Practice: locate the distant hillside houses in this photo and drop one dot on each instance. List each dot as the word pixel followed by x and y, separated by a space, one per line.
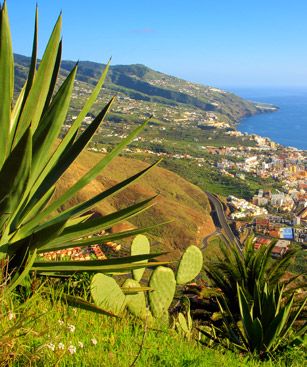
pixel 279 250
pixel 242 208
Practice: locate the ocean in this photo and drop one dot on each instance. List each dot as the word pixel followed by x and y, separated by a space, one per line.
pixel 287 126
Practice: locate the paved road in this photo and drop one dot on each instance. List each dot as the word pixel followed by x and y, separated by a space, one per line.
pixel 218 206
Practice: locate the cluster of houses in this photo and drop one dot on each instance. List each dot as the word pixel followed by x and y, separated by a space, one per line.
pixel 243 209
pixel 278 227
pixel 281 201
pixel 98 252
pixel 280 248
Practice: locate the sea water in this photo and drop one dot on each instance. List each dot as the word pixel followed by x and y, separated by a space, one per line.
pixel 287 126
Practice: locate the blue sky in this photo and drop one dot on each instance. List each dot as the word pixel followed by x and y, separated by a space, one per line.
pixel 219 42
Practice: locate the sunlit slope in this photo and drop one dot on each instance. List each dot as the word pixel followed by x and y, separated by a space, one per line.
pixel 178 200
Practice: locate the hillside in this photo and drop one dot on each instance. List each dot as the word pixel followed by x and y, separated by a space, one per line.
pixel 178 200
pixel 141 83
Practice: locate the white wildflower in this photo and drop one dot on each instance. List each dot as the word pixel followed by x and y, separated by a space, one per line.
pixel 61 346
pixel 61 322
pixel 72 349
pixel 71 328
pixel 51 346
pixel 94 341
pixel 11 315
pixel 80 344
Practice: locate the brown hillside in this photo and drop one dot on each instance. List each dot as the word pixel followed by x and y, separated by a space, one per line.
pixel 178 199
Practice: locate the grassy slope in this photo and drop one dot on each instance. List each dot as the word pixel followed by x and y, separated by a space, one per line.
pixel 42 323
pixel 178 200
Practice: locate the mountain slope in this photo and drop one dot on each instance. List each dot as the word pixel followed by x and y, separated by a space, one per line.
pixel 142 83
pixel 178 200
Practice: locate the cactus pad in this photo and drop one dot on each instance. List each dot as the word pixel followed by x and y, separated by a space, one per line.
pixel 190 265
pixel 136 303
pixel 163 282
pixel 140 246
pixel 107 294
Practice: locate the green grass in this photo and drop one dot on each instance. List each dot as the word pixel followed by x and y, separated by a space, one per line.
pixel 212 249
pixel 106 341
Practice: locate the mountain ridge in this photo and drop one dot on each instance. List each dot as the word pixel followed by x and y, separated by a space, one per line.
pixel 139 82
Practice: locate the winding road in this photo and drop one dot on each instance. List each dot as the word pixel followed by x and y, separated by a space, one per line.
pixel 218 207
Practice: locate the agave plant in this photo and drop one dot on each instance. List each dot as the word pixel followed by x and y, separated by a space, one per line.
pixel 266 323
pixel 30 166
pixel 247 268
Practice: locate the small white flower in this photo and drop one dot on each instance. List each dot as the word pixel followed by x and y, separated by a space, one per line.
pixel 80 344
pixel 61 322
pixel 61 346
pixel 94 341
pixel 71 328
pixel 51 346
pixel 11 315
pixel 72 349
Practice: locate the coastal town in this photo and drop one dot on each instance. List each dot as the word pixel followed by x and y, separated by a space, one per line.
pixel 276 211
pixel 278 215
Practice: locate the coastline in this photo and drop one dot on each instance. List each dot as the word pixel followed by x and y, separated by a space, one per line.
pixel 285 124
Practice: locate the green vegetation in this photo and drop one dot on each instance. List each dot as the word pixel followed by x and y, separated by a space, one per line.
pixel 143 84
pixel 46 332
pixel 259 311
pixel 30 167
pixel 212 249
pixel 249 268
pixel 38 324
pixel 210 179
pixel 108 295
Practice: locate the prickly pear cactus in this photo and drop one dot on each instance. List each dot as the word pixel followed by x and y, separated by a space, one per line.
pixel 190 265
pixel 140 246
pixel 107 294
pixel 163 282
pixel 136 303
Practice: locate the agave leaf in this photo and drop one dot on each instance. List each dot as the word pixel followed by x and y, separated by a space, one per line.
pixel 36 99
pixel 81 303
pixel 73 221
pixel 115 261
pixel 6 82
pixel 54 175
pixel 55 73
pixel 98 239
pixel 98 224
pixel 107 269
pixel 14 174
pixel 32 69
pixel 135 290
pixel 19 279
pixel 87 205
pixel 92 174
pixel 245 312
pixel 15 114
pixel 294 318
pixel 63 164
pixel 51 123
pixel 65 144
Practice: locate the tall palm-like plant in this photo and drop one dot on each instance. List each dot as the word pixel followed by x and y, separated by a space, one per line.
pixel 30 167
